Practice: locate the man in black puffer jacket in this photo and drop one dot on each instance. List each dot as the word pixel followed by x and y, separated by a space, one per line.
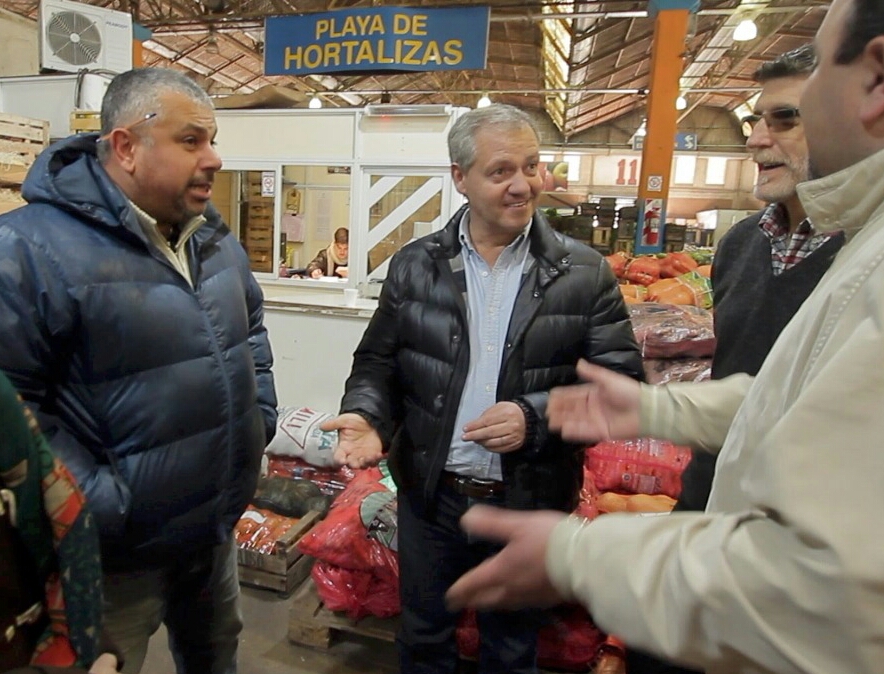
pixel 132 326
pixel 475 324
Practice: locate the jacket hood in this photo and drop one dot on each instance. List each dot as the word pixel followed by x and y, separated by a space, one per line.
pixel 69 176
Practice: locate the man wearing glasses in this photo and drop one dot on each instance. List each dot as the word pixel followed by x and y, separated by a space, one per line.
pixel 766 265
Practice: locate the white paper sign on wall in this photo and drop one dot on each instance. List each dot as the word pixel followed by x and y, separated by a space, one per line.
pixel 268 183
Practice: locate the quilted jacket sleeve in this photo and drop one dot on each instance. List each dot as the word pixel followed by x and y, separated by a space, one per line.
pixel 370 387
pixel 609 342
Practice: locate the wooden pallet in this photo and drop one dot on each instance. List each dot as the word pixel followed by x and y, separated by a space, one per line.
pixel 21 140
pixel 311 624
pixel 284 568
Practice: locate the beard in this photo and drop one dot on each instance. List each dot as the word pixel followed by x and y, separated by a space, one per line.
pixel 782 187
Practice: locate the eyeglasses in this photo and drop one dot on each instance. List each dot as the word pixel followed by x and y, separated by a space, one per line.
pixel 129 127
pixel 778 120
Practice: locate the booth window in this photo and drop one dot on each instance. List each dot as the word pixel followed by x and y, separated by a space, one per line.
pixel 247 206
pixel 315 204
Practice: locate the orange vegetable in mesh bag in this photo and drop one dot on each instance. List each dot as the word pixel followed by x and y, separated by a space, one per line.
pixel 612 502
pixel 633 290
pixel 618 262
pixel 670 291
pixel 676 264
pixel 704 270
pixel 643 270
pixel 259 529
pixel 650 503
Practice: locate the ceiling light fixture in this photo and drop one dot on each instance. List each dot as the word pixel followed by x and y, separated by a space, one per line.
pixel 643 129
pixel 681 102
pixel 315 102
pixel 746 30
pixel 484 102
pixel 212 43
pixel 429 110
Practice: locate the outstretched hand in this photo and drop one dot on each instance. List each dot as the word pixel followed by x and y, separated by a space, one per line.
pixel 359 445
pixel 605 407
pixel 516 576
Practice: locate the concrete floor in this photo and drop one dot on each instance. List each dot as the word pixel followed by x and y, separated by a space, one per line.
pixel 265 649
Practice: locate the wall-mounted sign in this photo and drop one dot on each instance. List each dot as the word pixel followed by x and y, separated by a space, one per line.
pixel 683 141
pixel 616 171
pixel 377 39
pixel 268 183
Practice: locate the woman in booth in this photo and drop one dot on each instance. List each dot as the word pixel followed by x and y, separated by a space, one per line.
pixel 332 261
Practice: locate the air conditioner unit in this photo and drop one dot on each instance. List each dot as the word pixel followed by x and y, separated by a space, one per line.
pixel 75 36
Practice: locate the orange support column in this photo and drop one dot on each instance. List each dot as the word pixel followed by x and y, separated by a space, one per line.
pixel 137 54
pixel 139 35
pixel 670 31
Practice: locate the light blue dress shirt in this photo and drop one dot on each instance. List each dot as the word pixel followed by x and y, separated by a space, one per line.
pixel 491 294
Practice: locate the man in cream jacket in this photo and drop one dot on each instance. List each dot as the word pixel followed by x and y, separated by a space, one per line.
pixel 785 571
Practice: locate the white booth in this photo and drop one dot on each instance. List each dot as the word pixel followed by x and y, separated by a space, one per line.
pixel 290 179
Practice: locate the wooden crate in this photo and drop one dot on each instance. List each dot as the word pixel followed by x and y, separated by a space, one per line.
pixel 21 140
pixel 311 624
pixel 283 568
pixel 83 121
pixel 260 238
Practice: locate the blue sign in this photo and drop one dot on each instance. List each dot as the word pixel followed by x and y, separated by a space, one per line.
pixel 683 141
pixel 377 39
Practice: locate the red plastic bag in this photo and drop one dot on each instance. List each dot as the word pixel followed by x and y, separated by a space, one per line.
pixel 358 593
pixel 359 531
pixel 641 466
pixel 570 641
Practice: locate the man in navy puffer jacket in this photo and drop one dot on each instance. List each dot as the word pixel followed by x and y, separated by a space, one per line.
pixel 132 325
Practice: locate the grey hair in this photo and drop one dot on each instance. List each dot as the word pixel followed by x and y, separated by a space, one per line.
pixel 132 95
pixel 462 137
pixel 799 61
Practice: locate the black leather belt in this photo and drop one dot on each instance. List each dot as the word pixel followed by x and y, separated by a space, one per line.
pixel 472 486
